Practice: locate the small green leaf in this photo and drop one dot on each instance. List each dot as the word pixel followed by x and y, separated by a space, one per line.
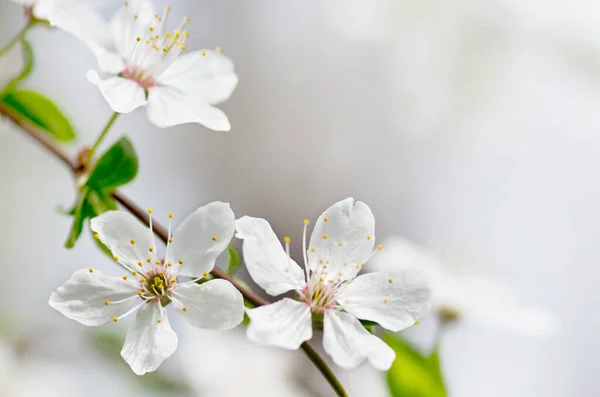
pixel 82 211
pixel 235 260
pixel 412 374
pixel 28 58
pixel 101 202
pixel 41 112
pixel 117 166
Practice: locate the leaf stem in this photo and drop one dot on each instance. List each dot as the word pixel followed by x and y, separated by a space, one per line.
pixel 161 232
pixel 102 135
pixel 16 39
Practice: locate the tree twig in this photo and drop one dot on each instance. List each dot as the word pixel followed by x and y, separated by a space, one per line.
pixel 49 143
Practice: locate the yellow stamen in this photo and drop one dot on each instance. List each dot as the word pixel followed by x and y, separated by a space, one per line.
pixel 106 303
pixel 116 319
pixel 287 239
pixel 91 270
pixel 125 277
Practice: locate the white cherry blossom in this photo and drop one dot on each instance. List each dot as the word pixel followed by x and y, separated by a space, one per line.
pixel 343 240
pixel 458 295
pixel 148 67
pixel 93 298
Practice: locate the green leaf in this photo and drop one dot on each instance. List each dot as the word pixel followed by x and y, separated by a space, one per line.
pixel 412 374
pixel 41 112
pixel 117 166
pixel 83 210
pixel 101 202
pixel 28 58
pixel 235 260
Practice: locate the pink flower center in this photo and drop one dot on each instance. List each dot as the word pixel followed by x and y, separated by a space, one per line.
pixel 320 295
pixel 140 76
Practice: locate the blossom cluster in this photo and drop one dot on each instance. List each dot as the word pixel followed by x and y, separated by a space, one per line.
pixel 328 290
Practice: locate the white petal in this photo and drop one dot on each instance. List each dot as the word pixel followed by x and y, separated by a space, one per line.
pixel 193 239
pixel 83 298
pixel 286 323
pixel 344 241
pixel 350 344
pixel 122 95
pixel 216 304
pixel 116 229
pixel 393 300
pixel 209 77
pixel 168 107
pixel 149 342
pixel 266 261
pixel 80 18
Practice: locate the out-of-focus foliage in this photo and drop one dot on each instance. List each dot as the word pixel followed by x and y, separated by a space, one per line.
pixel 116 167
pixel 413 374
pixel 34 107
pixel 39 111
pixel 235 260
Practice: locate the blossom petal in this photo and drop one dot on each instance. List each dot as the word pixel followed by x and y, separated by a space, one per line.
pixel 150 340
pixel 168 106
pixel 266 261
pixel 201 238
pixel 342 239
pixel 207 75
pixel 350 344
pixel 216 304
pixel 122 95
pixel 117 229
pixel 393 300
pixel 84 297
pixel 286 323
pixel 80 18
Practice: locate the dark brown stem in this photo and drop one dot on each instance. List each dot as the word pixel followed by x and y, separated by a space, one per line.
pixel 46 141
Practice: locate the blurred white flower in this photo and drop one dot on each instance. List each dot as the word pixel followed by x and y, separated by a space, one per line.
pixel 258 371
pixel 472 298
pixel 10 65
pixel 78 17
pixel 92 298
pixel 148 71
pixel 342 241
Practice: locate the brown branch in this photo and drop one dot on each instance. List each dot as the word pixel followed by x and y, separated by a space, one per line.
pixel 45 140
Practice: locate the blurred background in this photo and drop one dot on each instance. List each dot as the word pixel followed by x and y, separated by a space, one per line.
pixel 469 127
